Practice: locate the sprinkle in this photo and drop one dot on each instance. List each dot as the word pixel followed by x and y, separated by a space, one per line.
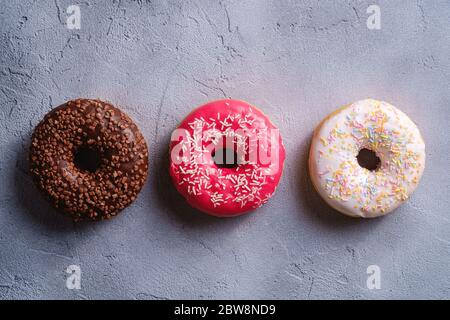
pixel 369 129
pixel 244 185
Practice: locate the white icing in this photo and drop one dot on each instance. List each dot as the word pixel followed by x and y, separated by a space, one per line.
pixel 335 171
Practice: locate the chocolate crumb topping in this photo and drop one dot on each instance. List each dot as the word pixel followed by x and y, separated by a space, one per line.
pixel 79 131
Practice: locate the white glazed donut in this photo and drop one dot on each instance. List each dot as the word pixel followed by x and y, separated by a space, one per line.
pixel 336 173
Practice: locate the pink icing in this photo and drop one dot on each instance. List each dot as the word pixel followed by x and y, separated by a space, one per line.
pixel 227 192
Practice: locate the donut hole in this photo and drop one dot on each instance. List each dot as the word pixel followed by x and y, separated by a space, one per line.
pixel 368 159
pixel 225 158
pixel 87 159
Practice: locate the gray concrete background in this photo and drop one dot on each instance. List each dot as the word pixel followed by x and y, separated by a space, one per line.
pixel 297 61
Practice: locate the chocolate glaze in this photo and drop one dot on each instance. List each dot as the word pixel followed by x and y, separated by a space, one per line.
pixel 121 174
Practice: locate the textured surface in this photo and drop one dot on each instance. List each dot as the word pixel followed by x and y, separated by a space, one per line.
pixel 297 61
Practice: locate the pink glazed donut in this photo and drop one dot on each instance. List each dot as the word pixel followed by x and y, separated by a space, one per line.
pixel 226 158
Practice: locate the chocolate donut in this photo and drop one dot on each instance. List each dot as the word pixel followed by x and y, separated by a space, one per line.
pixel 89 158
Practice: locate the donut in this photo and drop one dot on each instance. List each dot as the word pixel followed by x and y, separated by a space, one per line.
pixel 89 159
pixel 226 158
pixel 366 158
